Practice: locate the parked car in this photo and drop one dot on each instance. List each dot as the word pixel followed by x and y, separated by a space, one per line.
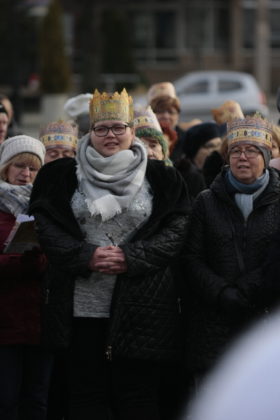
pixel 200 91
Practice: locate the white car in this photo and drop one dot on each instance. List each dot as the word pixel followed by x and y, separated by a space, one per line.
pixel 201 91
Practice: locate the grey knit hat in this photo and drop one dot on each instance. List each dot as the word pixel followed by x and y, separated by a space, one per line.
pixel 21 144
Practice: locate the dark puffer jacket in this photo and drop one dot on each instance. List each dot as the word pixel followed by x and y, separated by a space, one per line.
pixel 225 251
pixel 145 319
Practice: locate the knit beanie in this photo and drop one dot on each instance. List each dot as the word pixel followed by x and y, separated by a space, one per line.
pixel 197 135
pixel 152 133
pixel 21 144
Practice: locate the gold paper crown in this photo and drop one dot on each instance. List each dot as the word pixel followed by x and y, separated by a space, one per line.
pixel 59 133
pixel 145 118
pixel 228 111
pixel 107 106
pixel 253 130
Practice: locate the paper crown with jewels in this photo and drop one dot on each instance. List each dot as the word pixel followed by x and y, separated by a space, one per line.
pixel 111 106
pixel 144 117
pixel 252 129
pixel 59 133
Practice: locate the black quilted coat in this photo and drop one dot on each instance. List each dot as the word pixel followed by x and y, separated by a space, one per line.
pixel 223 250
pixel 145 317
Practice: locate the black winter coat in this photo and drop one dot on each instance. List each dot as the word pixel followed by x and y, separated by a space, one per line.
pixel 145 318
pixel 225 251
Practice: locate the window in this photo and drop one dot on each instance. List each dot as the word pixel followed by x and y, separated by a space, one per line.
pixel 153 35
pixel 275 28
pixel 207 27
pixel 229 85
pixel 249 28
pixel 198 87
pixel 165 29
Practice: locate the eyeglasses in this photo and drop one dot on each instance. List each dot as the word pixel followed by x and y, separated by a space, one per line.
pixel 249 153
pixel 103 130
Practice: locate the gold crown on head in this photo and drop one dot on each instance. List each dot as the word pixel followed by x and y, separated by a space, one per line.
pixel 107 106
pixel 59 133
pixel 252 129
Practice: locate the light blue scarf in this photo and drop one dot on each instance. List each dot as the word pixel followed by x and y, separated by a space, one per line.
pixel 245 194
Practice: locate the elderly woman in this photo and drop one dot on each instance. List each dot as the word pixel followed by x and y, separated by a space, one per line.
pixel 24 366
pixel 230 229
pixel 148 130
pixel 112 224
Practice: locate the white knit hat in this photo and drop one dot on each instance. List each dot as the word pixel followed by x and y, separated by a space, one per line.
pixel 21 144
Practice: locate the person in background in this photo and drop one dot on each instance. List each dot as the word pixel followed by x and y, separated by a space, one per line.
pixel 4 122
pixel 24 366
pixel 77 108
pixel 275 141
pixel 214 163
pixel 148 130
pixel 228 111
pixel 200 140
pixel 13 129
pixel 112 224
pixel 166 105
pixel 60 140
pixel 230 231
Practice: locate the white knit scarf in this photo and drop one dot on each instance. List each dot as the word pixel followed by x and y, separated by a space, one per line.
pixel 110 183
pixel 14 199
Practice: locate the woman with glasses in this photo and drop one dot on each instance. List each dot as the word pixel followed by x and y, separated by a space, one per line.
pixel 25 367
pixel 230 229
pixel 112 224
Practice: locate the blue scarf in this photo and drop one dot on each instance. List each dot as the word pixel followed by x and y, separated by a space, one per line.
pixel 245 194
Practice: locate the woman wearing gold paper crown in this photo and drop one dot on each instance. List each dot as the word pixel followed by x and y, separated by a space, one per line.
pixel 111 223
pixel 230 229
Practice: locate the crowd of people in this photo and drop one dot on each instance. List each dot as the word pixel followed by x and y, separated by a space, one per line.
pixel 158 245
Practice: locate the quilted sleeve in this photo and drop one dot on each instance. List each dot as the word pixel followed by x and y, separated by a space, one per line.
pixel 157 252
pixel 62 249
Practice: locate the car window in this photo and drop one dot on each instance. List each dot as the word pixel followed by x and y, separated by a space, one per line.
pixel 229 85
pixel 201 86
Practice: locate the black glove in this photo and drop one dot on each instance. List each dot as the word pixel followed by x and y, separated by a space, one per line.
pixel 233 303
